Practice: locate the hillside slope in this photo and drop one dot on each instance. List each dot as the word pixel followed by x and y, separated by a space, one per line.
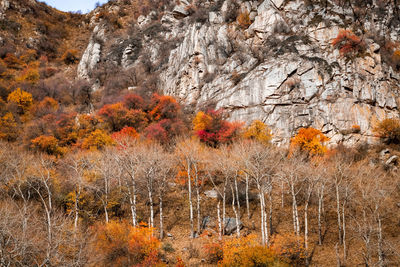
pixel 268 60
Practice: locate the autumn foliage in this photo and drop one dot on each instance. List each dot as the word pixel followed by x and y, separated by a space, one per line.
pixel 22 99
pixel 243 20
pixel 348 43
pixel 389 130
pixel 213 129
pixel 290 248
pixel 47 144
pixel 246 251
pixel 8 127
pixel 119 244
pixel 258 131
pixel 309 140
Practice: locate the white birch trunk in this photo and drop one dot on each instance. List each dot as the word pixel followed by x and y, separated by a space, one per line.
pixel 190 202
pixel 219 220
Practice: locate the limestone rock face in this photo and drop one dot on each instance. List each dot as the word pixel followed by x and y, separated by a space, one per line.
pixel 282 69
pixel 92 54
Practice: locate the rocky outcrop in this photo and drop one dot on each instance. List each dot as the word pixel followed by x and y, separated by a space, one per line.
pixel 282 69
pixel 92 54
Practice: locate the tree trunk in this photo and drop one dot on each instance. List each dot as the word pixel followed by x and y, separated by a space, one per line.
pixel 190 202
pixel 270 211
pixel 344 229
pixel 161 217
pixel 262 218
pixel 338 212
pixel 381 262
pixel 223 210
pixel 296 223
pixel 282 194
pixel 236 213
pixel 198 208
pixel 151 209
pixel 132 203
pixel 76 207
pixel 219 220
pixel 320 200
pixel 247 197
pixel 237 196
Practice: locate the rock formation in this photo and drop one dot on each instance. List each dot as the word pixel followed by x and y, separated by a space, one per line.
pixel 281 69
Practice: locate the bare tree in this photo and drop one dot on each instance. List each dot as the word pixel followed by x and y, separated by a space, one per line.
pixel 189 154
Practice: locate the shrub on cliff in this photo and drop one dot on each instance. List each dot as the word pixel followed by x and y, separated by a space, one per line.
pixel 389 131
pixel 349 44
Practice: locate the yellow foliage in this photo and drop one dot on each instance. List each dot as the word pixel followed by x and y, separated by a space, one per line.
pixel 24 100
pixel 310 140
pixel 8 127
pixel 258 131
pixel 201 121
pixel 246 251
pixel 30 75
pixel 244 20
pixel 97 139
pixel 389 129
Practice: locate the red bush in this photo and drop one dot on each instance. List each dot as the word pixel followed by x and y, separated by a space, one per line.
pixel 348 43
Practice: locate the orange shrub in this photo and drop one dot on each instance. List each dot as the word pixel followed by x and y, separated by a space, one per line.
pixel 396 59
pixel 164 107
pixel 348 43
pixel 46 106
pixel 310 140
pixel 214 251
pixel 8 127
pixel 356 128
pixel 47 144
pixel 70 56
pixel 125 133
pixel 290 248
pixel 119 244
pixel 243 20
pixel 246 251
pixel 389 129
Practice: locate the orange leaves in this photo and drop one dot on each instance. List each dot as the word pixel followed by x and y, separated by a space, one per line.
pixel 164 107
pixel 22 99
pixel 8 127
pixel 117 116
pixel 290 248
pixel 258 131
pixel 348 43
pixel 47 144
pixel 389 129
pixel 213 130
pixel 119 244
pixel 125 133
pixel 246 251
pixel 310 140
pixel 202 121
pixel 70 56
pixel 46 106
pixel 214 251
pixel 244 20
pixel 396 59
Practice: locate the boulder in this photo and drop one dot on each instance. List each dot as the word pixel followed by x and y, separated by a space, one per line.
pixel 231 225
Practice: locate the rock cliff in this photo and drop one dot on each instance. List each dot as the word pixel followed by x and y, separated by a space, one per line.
pixel 278 65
